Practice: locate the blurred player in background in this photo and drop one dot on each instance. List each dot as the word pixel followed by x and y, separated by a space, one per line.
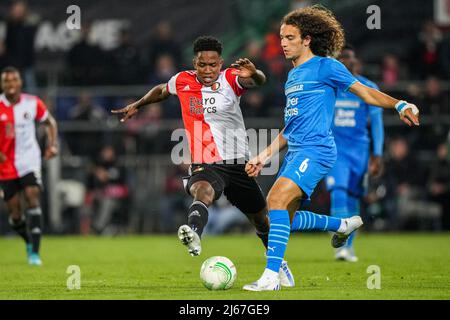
pixel 20 158
pixel 309 37
pixel 350 130
pixel 209 98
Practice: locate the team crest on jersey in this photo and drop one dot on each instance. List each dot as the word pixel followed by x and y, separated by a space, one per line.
pixel 26 116
pixel 215 86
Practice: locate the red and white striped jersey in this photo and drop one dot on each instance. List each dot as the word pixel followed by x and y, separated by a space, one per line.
pixel 212 116
pixel 18 136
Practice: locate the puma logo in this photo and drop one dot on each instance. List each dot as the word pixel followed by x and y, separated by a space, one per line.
pixel 271 248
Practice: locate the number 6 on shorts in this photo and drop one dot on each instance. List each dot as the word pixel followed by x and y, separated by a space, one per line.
pixel 304 165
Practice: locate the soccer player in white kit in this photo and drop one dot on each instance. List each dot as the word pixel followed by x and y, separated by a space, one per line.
pixel 209 99
pixel 20 158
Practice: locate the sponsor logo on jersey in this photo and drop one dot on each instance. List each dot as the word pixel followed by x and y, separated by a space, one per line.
pixel 343 103
pixel 201 106
pixel 3 117
pixel 292 102
pixel 344 118
pixel 290 112
pixel 294 89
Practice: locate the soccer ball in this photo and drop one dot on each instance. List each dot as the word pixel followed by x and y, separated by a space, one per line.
pixel 218 273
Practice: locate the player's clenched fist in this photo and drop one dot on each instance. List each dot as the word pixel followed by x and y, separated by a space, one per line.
pixel 254 167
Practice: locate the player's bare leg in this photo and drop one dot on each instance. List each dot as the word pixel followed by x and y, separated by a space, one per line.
pixel 190 233
pixel 18 221
pixel 34 216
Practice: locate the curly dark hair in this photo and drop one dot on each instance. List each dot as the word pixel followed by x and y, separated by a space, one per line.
pixel 327 34
pixel 207 43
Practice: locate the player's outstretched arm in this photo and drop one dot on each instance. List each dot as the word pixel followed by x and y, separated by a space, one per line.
pixel 52 137
pixel 249 76
pixel 377 133
pixel 156 94
pixel 255 165
pixel 408 112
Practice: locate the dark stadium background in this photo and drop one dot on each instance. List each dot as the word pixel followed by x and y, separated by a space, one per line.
pixel 409 57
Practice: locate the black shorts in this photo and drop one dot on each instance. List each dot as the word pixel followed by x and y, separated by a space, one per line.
pixel 12 187
pixel 230 179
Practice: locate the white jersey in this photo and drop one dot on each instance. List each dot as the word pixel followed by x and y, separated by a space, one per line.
pixel 212 116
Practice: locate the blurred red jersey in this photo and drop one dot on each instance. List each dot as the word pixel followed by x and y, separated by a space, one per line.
pixel 18 140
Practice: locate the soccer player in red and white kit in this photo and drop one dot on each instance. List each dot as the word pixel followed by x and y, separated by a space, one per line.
pixel 20 158
pixel 215 129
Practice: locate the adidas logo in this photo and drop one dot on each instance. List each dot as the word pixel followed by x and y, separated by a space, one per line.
pixel 186 88
pixel 194 213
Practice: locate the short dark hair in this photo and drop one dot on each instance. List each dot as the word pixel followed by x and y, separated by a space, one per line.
pixel 10 69
pixel 207 43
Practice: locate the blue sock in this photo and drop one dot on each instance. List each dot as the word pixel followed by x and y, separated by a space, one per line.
pixel 306 220
pixel 339 203
pixel 350 239
pixel 353 210
pixel 278 238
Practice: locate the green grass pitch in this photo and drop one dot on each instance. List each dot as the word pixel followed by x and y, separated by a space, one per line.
pixel 413 266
